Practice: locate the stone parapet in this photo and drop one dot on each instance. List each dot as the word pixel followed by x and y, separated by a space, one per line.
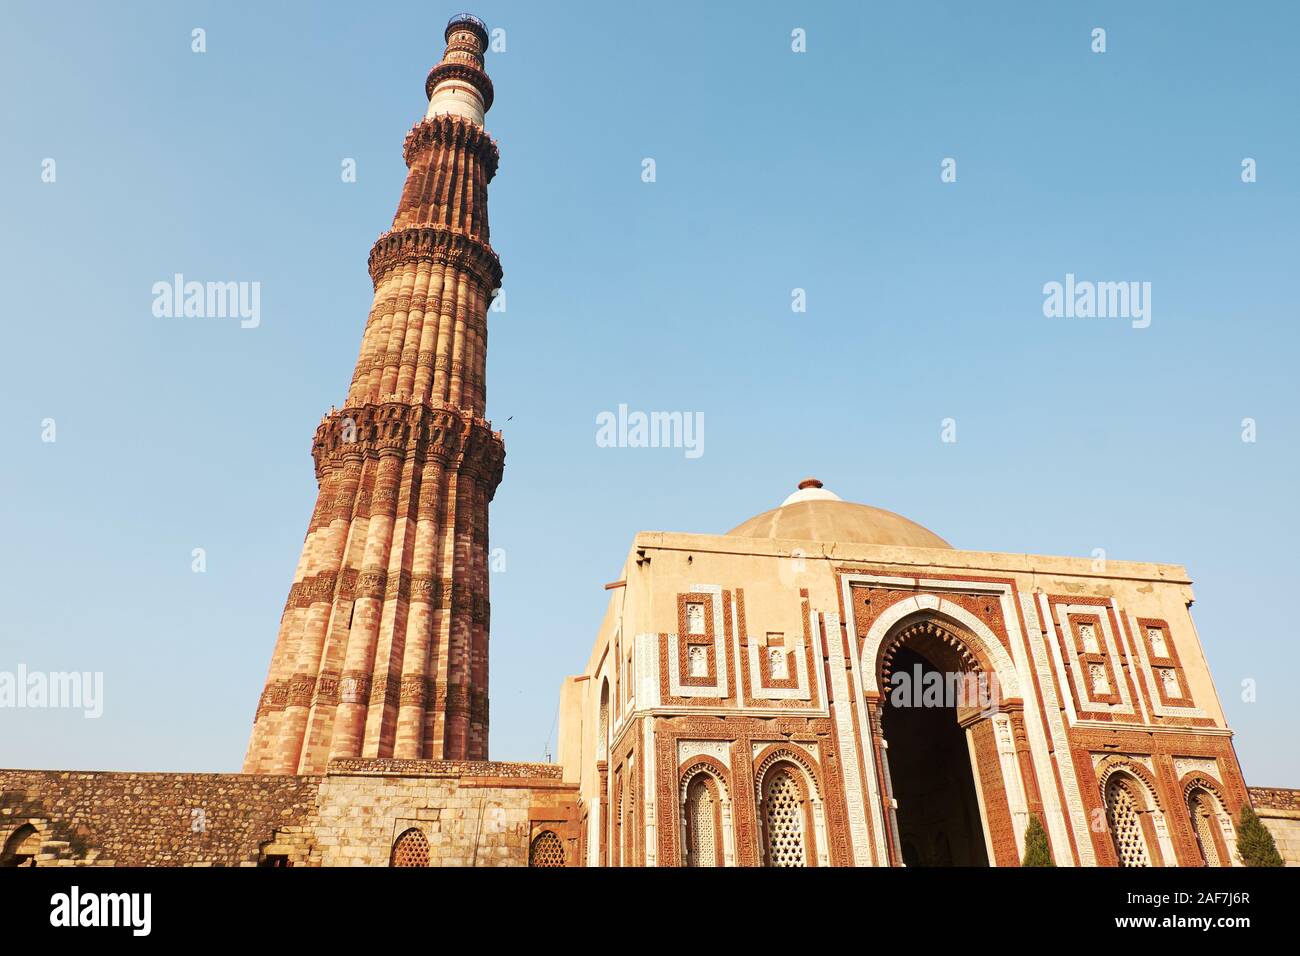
pixel 389 767
pixel 1275 798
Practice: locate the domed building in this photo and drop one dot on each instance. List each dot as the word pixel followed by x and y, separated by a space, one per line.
pixel 832 684
pixel 812 513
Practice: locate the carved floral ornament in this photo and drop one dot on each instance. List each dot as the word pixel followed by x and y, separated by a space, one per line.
pixel 1197 780
pixel 928 632
pixel 947 649
pixel 976 640
pixel 1111 765
pixel 711 770
pixel 789 755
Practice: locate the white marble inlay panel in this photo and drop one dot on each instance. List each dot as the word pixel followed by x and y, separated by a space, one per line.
pixel 1163 710
pixel 719 688
pixel 1206 765
pixel 719 750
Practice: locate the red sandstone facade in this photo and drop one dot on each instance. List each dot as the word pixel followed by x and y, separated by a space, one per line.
pixel 739 707
pixel 383 645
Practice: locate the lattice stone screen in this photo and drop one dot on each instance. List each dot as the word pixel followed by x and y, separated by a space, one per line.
pixel 784 817
pixel 411 849
pixel 1125 825
pixel 699 822
pixel 546 850
pixel 1202 809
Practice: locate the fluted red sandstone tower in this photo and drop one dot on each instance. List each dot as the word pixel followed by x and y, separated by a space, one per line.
pixel 383 645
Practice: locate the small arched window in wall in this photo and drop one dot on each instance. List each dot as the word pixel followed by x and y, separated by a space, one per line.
pixel 783 815
pixel 546 850
pixel 701 824
pixel 410 849
pixel 1204 809
pixel 1123 815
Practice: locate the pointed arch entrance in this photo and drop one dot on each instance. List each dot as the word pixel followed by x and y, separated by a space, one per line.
pixel 938 813
pixel 940 690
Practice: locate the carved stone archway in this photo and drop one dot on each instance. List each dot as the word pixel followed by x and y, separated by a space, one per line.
pixel 802 770
pixel 980 685
pixel 713 777
pixel 1140 783
pixel 1213 831
pixel 20 847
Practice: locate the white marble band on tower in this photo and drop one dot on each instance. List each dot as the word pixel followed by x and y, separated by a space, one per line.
pixel 458 85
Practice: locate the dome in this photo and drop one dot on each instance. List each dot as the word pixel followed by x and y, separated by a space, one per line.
pixel 814 514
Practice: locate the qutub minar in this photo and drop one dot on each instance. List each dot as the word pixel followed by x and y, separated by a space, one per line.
pixel 382 650
pixel 739 707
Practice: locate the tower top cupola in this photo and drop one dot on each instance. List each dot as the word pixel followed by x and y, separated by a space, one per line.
pixel 458 84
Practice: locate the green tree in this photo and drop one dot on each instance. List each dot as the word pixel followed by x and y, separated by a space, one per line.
pixel 1037 852
pixel 1254 842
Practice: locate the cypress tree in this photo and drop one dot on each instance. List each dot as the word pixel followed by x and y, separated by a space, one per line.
pixel 1254 842
pixel 1037 852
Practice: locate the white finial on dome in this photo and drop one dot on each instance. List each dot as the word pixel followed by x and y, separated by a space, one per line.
pixel 810 489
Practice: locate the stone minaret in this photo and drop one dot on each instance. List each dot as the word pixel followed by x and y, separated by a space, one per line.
pixel 383 645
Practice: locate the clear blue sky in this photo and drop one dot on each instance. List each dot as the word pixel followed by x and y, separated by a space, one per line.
pixel 775 171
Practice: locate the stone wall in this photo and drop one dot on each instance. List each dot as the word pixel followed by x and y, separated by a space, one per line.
pixel 152 819
pixel 469 814
pixel 1279 810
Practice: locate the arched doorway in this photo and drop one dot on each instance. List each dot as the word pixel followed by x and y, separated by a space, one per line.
pixel 21 847
pixel 938 814
pixel 979 691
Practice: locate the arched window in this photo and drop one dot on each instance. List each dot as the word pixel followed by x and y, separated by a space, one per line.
pixel 546 850
pixel 21 847
pixel 602 741
pixel 410 849
pixel 1124 815
pixel 1204 809
pixel 701 813
pixel 783 815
